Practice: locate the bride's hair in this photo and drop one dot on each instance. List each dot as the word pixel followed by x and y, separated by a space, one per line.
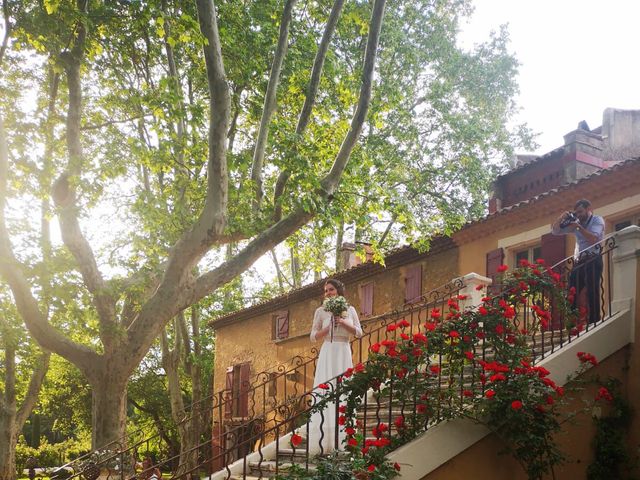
pixel 336 283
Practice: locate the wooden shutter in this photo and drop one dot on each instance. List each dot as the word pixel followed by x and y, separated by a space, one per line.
pixel 243 390
pixel 495 258
pixel 413 287
pixel 554 248
pixel 366 299
pixel 228 395
pixel 281 325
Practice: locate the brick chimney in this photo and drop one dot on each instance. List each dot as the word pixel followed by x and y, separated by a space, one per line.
pixel 348 255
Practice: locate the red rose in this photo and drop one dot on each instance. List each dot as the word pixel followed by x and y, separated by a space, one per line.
pixel 324 386
pixel 342 408
pixel 431 326
pixel 399 422
pixel 375 348
pixel 352 442
pixel 296 439
pixel 516 405
pixel 391 328
pixel 350 431
pixel 371 468
pixel 469 355
pixel 396 466
pixel 342 420
pixel 467 393
pixel 359 367
pixel 489 394
pixel 403 323
pixel 502 268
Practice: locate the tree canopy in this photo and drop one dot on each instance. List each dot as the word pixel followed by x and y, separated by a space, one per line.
pixel 172 144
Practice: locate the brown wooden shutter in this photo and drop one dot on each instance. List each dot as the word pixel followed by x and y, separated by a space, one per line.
pixel 243 390
pixel 366 299
pixel 281 324
pixel 495 258
pixel 228 395
pixel 554 248
pixel 413 288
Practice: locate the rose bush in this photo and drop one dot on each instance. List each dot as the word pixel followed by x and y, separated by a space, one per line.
pixel 477 363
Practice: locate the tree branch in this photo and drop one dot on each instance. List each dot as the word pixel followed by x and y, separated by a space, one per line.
pixel 64 194
pixel 268 239
pixel 35 383
pixel 212 220
pixel 98 126
pixel 331 180
pixel 310 98
pixel 47 336
pixel 7 29
pixel 270 102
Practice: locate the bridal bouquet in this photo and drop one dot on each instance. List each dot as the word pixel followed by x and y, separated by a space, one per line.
pixel 336 305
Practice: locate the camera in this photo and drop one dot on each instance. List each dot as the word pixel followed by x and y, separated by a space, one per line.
pixel 568 220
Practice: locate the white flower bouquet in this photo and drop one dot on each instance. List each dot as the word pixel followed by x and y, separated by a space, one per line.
pixel 336 305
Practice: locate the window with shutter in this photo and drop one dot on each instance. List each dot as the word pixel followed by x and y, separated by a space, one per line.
pixel 495 258
pixel 366 299
pixel 237 390
pixel 413 286
pixel 280 326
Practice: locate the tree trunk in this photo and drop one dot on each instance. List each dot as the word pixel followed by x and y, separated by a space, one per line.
pixel 109 407
pixel 8 441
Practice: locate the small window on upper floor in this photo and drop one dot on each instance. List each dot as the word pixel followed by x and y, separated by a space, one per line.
pixel 531 254
pixel 626 221
pixel 280 325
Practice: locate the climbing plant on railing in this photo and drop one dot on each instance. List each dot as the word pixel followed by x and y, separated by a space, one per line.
pixel 476 363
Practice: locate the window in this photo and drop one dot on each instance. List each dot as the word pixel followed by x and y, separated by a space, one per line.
pixel 366 299
pixel 280 325
pixel 624 222
pixel 530 254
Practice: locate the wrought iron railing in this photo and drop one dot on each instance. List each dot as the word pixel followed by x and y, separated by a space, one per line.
pixel 271 395
pixel 280 399
pixel 544 335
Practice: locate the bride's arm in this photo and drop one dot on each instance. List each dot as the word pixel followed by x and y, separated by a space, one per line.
pixel 353 326
pixel 317 332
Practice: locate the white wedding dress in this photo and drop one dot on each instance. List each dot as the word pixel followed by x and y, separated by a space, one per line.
pixel 334 359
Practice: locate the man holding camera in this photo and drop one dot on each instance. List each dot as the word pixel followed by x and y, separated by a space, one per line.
pixel 586 274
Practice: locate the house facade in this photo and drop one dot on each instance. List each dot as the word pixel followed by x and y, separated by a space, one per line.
pixel 599 164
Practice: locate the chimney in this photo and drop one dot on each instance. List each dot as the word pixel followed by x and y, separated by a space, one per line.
pixel 348 256
pixel 621 134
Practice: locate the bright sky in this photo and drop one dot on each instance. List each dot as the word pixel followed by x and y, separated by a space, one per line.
pixel 577 58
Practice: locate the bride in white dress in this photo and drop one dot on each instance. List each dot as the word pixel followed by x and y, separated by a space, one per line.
pixel 334 359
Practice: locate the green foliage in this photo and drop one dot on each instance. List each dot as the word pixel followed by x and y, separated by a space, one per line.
pixel 49 455
pixel 611 453
pixel 340 467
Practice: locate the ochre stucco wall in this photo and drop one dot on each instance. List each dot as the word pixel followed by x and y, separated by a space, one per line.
pixel 250 339
pixel 483 461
